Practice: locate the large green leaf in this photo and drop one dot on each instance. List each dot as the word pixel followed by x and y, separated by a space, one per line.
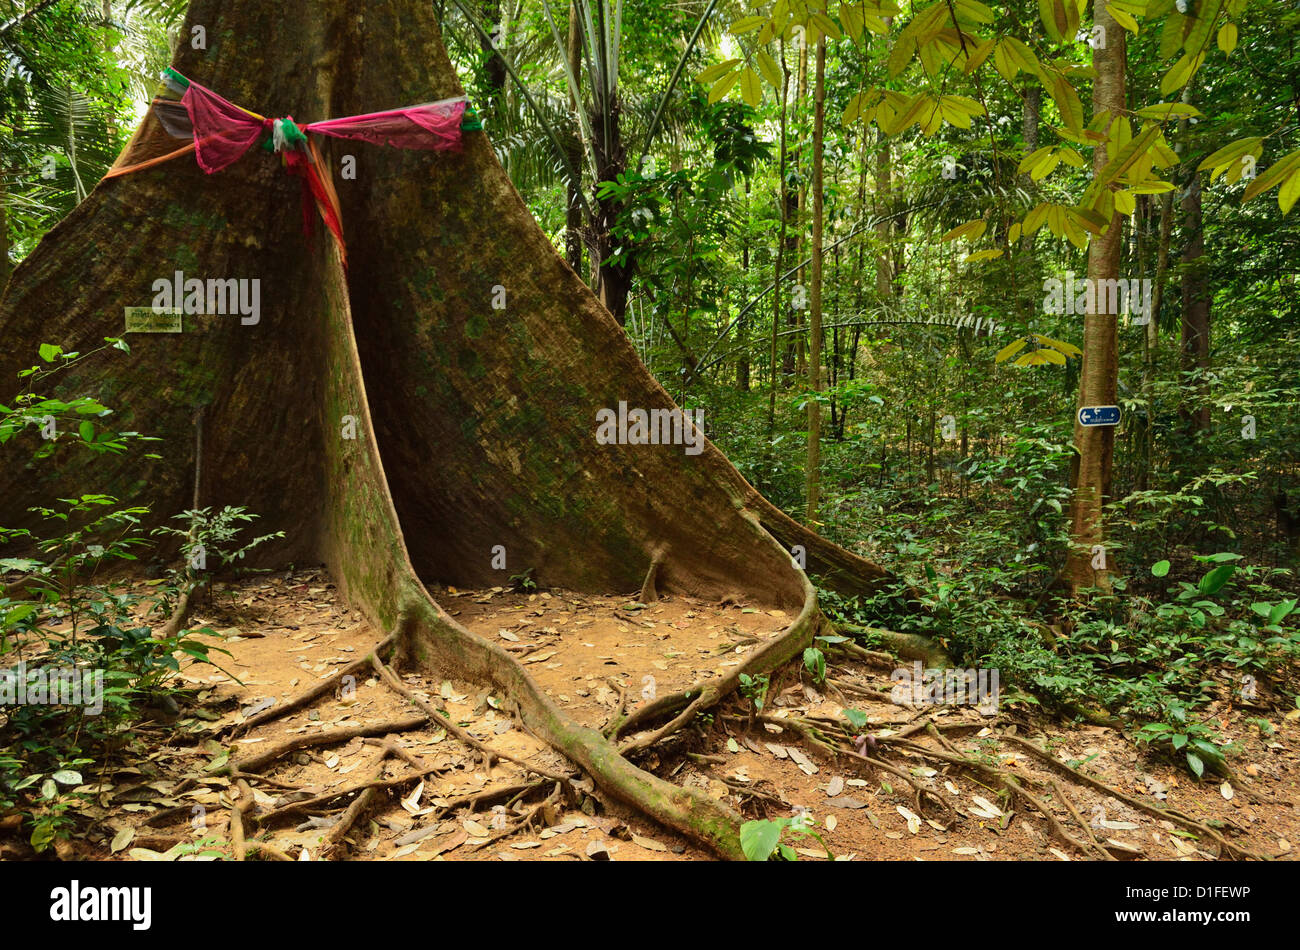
pixel 1213 582
pixel 758 839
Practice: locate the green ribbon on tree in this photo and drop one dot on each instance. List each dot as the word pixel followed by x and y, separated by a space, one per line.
pixel 285 135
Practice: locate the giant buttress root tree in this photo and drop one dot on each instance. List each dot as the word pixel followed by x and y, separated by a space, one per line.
pixel 474 426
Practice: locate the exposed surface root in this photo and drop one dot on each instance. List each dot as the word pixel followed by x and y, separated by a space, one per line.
pixel 649 587
pixel 184 604
pixel 1074 813
pixel 909 646
pixel 1169 814
pixel 321 801
pixel 487 752
pixel 260 760
pixel 324 688
pixel 358 807
pixel 708 693
pixel 238 808
pixel 476 806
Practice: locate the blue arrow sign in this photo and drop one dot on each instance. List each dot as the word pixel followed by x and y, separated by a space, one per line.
pixel 1099 416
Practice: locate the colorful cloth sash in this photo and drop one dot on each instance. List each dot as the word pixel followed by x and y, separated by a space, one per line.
pixel 222 132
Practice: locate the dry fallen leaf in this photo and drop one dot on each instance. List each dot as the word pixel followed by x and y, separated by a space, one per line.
pixel 985 808
pixel 801 760
pixel 1122 850
pixel 122 839
pixel 412 802
pixel 845 801
pixel 913 819
pixel 443 845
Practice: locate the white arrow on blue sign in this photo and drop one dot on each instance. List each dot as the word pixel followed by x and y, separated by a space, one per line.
pixel 1099 416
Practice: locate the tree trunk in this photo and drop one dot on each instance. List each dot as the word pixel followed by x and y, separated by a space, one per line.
pixel 614 270
pixel 475 426
pixel 779 264
pixel 613 262
pixel 573 149
pixel 884 226
pixel 494 70
pixel 5 267
pixel 1032 111
pixel 1031 115
pixel 742 325
pixel 1099 373
pixel 815 313
pixel 1152 348
pixel 1195 337
pixel 800 195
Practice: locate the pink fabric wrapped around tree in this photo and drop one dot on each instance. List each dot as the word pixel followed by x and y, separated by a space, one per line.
pixel 434 125
pixel 222 131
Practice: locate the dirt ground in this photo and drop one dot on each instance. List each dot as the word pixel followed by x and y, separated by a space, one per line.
pixel 433 798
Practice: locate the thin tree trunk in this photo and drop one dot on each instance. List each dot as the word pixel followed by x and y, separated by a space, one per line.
pixel 573 148
pixel 1032 111
pixel 1099 373
pixel 798 319
pixel 614 272
pixel 780 253
pixel 742 325
pixel 815 313
pixel 884 227
pixel 494 70
pixel 834 364
pixel 5 267
pixel 1195 337
pixel 1152 348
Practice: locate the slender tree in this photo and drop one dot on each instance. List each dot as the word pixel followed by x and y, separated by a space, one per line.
pixel 1088 563
pixel 814 467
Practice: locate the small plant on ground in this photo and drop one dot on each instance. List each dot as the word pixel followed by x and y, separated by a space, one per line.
pixel 761 840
